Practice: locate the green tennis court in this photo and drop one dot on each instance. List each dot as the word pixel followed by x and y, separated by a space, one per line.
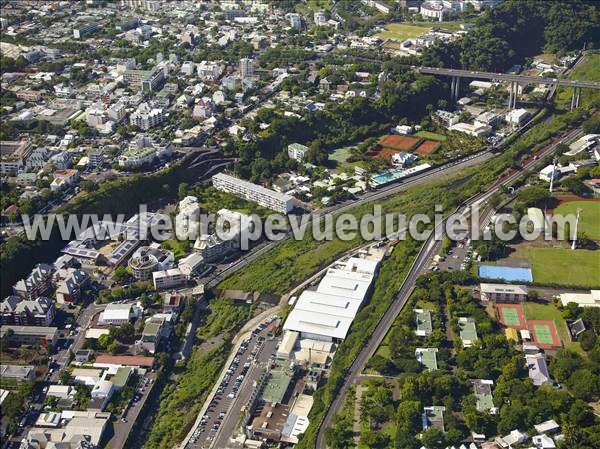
pixel 510 317
pixel 543 334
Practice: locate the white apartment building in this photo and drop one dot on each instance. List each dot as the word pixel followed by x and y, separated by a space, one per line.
pixel 148 5
pixel 117 111
pixel 230 226
pixel 147 117
pixel 147 80
pixel 208 70
pixel 14 155
pixel 188 265
pixel 517 116
pixel 295 20
pixel 173 277
pixel 297 151
pixel 95 115
pixel 187 220
pixel 246 67
pixel 143 150
pixel 320 19
pixel 187 68
pixel 279 202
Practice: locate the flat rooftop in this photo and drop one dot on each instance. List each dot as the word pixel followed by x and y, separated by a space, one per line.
pixel 277 385
pixel 468 331
pixel 428 357
pixel 423 319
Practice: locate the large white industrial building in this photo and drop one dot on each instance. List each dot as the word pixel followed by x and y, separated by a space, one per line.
pixel 327 313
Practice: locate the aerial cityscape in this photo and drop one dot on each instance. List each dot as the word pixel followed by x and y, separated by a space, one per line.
pixel 311 224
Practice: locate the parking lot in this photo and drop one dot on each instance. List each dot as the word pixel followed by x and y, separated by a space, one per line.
pixel 235 388
pixel 458 258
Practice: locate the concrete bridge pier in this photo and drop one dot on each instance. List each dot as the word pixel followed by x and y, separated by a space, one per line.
pixel 457 88
pixel 575 97
pixel 452 88
pixel 512 99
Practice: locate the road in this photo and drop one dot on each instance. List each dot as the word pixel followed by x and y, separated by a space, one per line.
pixel 429 249
pixel 122 428
pixel 507 77
pixel 82 322
pixel 221 413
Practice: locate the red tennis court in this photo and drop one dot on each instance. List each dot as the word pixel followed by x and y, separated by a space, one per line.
pixel 399 142
pixel 511 315
pixel 427 147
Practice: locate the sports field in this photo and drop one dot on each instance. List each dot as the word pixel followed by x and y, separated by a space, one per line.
pixel 562 266
pixel 396 142
pixel 511 315
pixel 403 31
pixel 589 218
pixel 431 136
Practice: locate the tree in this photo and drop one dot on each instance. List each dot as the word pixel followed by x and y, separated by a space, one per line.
pixel 592 125
pixel 434 438
pixel 113 348
pixel 182 191
pixel 533 196
pixel 587 339
pixel 104 341
pixel 120 274
pixel 576 186
pixel 64 377
pixel 584 384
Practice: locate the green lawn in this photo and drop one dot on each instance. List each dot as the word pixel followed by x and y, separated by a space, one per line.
pixel 180 248
pixel 562 265
pixel 535 311
pixel 341 155
pixel 403 30
pixel 589 70
pixel 589 219
pixel 431 136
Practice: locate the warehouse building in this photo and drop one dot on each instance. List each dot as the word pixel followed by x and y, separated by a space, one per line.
pixel 327 313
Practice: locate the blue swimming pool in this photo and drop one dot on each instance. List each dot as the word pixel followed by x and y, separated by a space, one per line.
pixel 385 177
pixel 505 273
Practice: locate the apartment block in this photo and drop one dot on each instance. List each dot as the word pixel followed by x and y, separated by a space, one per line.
pixel 279 202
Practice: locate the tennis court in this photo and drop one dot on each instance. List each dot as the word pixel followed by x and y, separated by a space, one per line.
pixel 544 334
pixel 511 315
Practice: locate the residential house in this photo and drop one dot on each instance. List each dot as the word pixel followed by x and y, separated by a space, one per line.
pixel 64 178
pixel 538 369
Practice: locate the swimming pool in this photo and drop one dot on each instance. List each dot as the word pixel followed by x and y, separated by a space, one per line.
pixel 505 273
pixel 386 176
